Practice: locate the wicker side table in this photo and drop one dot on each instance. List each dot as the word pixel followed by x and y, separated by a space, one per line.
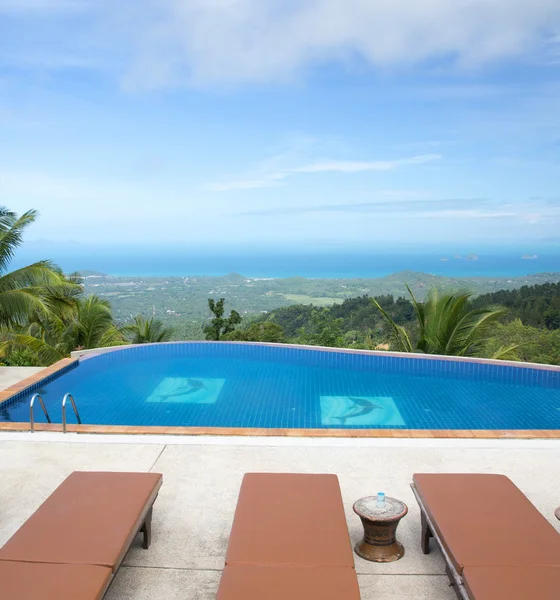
pixel 379 543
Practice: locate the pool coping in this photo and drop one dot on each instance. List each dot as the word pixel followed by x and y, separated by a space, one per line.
pixel 69 363
pixel 46 373
pixel 519 434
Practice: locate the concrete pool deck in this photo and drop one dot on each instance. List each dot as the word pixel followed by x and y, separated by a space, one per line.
pixel 10 376
pixel 194 511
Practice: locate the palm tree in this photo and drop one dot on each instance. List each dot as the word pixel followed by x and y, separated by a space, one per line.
pixel 147 331
pixel 448 325
pixel 39 288
pixel 51 338
pixel 93 325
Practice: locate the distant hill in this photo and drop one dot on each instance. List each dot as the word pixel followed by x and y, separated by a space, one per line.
pixel 536 305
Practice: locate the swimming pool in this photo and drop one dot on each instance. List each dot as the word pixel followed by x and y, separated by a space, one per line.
pixel 205 384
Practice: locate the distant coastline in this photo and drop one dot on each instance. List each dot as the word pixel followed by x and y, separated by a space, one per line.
pixel 95 277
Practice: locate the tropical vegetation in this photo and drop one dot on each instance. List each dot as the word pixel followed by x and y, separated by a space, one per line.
pixel 147 331
pixel 34 291
pixel 257 332
pixel 448 324
pixel 54 336
pixel 535 305
pixel 220 326
pixel 45 315
pixel 362 325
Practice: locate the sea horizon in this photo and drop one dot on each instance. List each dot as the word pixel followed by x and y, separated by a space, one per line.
pixel 179 261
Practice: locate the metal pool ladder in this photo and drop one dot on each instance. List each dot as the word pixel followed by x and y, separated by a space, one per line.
pixel 71 398
pixel 31 416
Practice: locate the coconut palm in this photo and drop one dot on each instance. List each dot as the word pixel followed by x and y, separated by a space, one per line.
pixel 91 325
pixel 448 325
pixel 147 331
pixel 39 288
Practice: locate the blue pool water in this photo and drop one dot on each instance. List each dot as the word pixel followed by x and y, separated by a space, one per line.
pixel 240 385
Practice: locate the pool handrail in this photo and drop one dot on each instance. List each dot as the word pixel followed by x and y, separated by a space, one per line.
pixel 66 397
pixel 31 415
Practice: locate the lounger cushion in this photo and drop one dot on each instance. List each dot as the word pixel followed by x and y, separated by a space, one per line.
pixel 290 520
pixel 485 520
pixel 513 583
pixel 90 519
pixel 39 581
pixel 288 583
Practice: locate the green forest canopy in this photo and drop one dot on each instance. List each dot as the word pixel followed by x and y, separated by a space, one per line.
pixel 531 321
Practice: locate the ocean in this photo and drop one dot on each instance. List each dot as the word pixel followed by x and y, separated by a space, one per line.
pixel 181 261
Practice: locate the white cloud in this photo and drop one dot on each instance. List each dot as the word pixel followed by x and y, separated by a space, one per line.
pixel 321 166
pixel 403 207
pixel 256 40
pixel 352 166
pixel 156 43
pixel 467 213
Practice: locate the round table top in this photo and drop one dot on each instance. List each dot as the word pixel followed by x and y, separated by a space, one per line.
pixel 557 512
pixel 367 508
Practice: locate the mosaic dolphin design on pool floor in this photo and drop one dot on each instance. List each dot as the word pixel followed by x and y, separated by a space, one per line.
pixel 193 385
pixel 188 390
pixel 360 411
pixel 361 407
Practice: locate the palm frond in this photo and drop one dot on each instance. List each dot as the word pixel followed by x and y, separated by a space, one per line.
pixel 418 308
pixel 470 334
pixel 144 331
pixel 47 354
pixel 39 274
pixel 7 217
pixel 11 234
pixel 19 305
pixel 507 352
pixel 399 332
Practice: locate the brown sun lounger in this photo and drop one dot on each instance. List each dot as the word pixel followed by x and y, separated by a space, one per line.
pixel 495 542
pixel 513 583
pixel 288 583
pixel 84 529
pixel 30 581
pixel 289 541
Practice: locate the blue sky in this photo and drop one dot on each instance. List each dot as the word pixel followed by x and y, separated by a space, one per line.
pixel 323 123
